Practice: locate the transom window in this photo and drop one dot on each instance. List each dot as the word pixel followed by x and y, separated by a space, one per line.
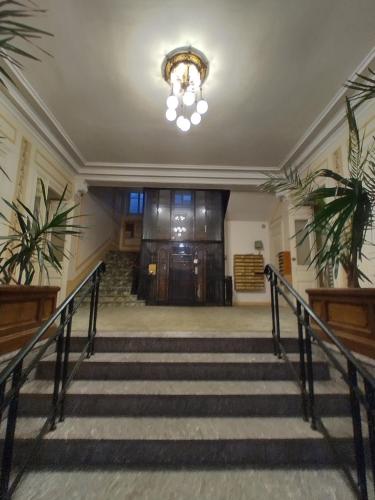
pixel 183 199
pixel 136 199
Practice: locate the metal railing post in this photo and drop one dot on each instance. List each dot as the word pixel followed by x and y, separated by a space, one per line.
pixel 310 371
pixel 359 449
pixel 58 369
pixel 275 347
pixel 302 367
pixel 370 398
pixel 95 312
pixel 65 366
pixel 277 318
pixel 7 462
pixel 91 316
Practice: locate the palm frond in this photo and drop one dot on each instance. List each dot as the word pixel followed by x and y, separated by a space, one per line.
pixel 364 88
pixel 12 30
pixel 292 183
pixel 355 150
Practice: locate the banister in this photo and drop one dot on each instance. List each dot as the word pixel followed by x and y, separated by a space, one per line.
pixel 6 372
pixel 323 326
pixel 15 374
pixel 359 393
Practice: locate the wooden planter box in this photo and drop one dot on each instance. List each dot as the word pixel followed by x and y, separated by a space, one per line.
pixel 22 310
pixel 350 312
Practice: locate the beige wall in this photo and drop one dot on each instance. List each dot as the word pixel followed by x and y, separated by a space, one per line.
pixel 25 157
pixel 100 236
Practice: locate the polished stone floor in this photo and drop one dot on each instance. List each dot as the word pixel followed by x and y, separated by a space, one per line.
pixel 245 484
pixel 183 319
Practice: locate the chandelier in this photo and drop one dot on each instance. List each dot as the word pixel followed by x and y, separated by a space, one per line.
pixel 185 70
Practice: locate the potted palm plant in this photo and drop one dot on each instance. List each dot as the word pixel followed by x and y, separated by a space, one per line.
pixel 343 208
pixel 34 243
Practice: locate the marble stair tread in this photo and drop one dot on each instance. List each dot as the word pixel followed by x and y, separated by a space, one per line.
pixel 176 429
pixel 184 388
pixel 184 334
pixel 193 358
pixel 182 345
pixel 182 366
pixel 205 484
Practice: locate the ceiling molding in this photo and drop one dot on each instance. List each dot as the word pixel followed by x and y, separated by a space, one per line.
pixel 333 113
pixel 178 166
pixel 26 100
pixel 29 103
pixel 38 130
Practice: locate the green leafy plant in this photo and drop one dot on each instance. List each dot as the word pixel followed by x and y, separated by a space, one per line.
pixel 344 209
pixel 14 29
pixel 33 239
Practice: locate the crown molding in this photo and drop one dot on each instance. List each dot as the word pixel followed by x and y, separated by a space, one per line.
pixel 35 112
pixel 32 107
pixel 327 123
pixel 177 166
pixel 194 175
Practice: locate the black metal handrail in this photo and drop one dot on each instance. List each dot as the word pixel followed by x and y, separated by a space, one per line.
pixel 14 375
pixel 362 395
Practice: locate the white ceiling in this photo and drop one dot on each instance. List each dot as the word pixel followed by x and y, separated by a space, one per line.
pixel 274 66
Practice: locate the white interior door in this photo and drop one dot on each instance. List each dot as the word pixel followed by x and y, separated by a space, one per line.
pixel 303 274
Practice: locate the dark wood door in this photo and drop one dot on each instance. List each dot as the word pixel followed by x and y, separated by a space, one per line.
pixel 181 279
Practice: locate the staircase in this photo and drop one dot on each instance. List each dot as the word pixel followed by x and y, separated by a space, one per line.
pixel 175 400
pixel 116 284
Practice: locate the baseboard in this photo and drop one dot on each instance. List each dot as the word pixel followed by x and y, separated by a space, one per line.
pixel 251 303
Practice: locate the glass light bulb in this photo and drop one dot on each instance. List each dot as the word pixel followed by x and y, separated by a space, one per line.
pixel 202 107
pixel 185 125
pixel 180 121
pixel 195 118
pixel 172 102
pixel 171 114
pixel 188 98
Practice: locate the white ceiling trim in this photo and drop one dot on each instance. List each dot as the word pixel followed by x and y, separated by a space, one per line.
pixel 312 139
pixel 36 127
pixel 178 166
pixel 29 102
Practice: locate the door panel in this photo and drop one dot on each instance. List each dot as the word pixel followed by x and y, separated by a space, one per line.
pixel 181 283
pixel 162 275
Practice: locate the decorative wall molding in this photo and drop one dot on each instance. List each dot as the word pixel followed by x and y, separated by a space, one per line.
pixel 7 129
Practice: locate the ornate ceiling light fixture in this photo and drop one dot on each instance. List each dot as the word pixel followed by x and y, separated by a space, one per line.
pixel 185 70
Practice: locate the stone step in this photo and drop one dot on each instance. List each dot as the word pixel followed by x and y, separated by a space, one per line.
pixel 178 399
pixel 207 344
pixel 241 483
pixel 182 366
pixel 118 299
pixel 266 442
